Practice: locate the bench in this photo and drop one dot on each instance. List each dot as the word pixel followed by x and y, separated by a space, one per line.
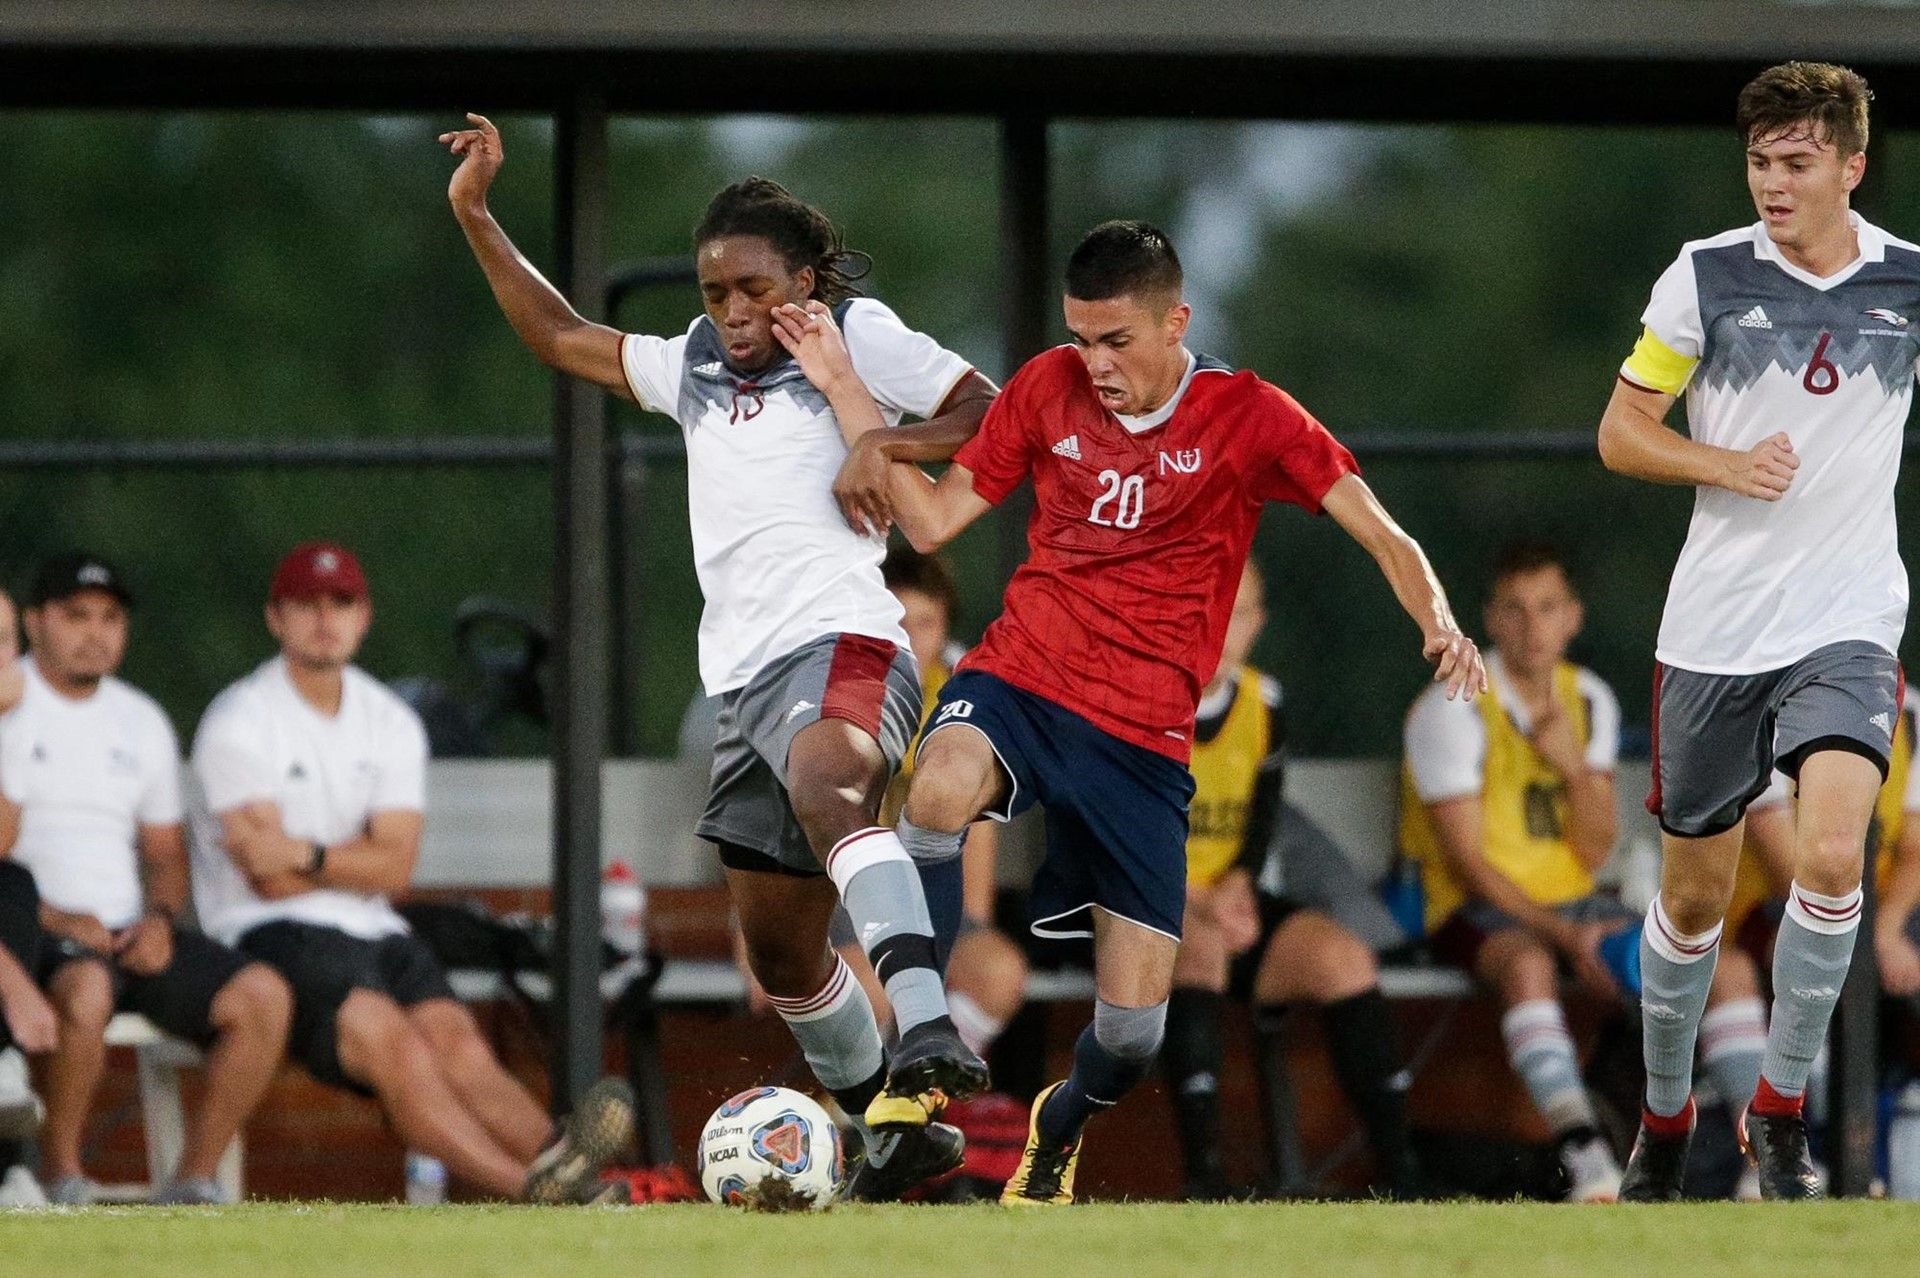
pixel 158 1062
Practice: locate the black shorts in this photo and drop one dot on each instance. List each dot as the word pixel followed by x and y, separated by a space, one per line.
pixel 178 999
pixel 324 965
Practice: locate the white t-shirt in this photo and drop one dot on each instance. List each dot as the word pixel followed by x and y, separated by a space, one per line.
pixel 1446 741
pixel 261 740
pixel 86 776
pixel 777 562
pixel 1761 584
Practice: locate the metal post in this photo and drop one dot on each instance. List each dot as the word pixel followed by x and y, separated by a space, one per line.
pixel 1026 289
pixel 580 586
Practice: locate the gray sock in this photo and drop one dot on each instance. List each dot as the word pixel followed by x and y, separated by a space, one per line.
pixel 836 1030
pixel 881 890
pixel 1676 971
pixel 1810 960
pixel 1542 1054
pixel 1733 1038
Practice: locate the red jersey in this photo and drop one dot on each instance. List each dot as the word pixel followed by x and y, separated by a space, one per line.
pixel 1137 542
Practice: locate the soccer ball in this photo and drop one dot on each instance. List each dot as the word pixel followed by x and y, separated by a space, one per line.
pixel 771 1134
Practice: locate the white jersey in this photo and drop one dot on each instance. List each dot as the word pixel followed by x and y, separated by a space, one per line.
pixel 777 563
pixel 1761 584
pixel 261 741
pixel 86 775
pixel 1446 741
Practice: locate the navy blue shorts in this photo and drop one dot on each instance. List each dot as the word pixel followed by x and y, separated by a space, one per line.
pixel 1116 812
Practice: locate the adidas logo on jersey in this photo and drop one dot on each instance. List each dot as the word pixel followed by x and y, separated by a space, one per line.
pixel 799 708
pixel 1756 318
pixel 708 370
pixel 1882 721
pixel 1068 448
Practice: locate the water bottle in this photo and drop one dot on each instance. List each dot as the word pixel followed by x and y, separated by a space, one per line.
pixel 623 907
pixel 1621 953
pixel 1903 1146
pixel 1404 893
pixel 426 1180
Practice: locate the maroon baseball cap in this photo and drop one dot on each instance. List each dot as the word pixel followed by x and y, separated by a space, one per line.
pixel 316 569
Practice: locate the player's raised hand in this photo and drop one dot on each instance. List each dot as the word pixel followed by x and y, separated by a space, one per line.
pixel 1765 470
pixel 815 342
pixel 1456 663
pixel 480 158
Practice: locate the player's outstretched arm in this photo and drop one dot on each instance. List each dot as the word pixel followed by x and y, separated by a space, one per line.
pixel 1636 441
pixel 864 487
pixel 1455 658
pixel 556 333
pixel 930 513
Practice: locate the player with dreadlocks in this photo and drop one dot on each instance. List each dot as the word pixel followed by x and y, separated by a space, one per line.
pixel 800 636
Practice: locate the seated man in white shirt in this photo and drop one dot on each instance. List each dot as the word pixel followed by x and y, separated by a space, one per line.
pixel 90 771
pixel 314 783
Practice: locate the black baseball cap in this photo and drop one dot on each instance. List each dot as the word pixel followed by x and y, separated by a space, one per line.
pixel 66 575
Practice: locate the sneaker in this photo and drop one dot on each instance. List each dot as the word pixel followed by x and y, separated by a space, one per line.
pixel 1593 1173
pixel 197 1191
pixel 1776 1147
pixel 598 1131
pixel 1657 1168
pixel 895 1162
pixel 73 1191
pixel 1045 1175
pixel 20 1110
pixel 19 1189
pixel 930 1067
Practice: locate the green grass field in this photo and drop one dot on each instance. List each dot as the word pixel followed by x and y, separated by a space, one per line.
pixel 1118 1241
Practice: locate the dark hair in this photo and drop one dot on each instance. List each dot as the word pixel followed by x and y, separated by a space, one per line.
pixel 1831 99
pixel 1123 259
pixel 905 568
pixel 1520 557
pixel 799 233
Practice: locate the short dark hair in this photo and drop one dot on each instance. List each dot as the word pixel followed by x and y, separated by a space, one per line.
pixel 905 568
pixel 1518 558
pixel 1123 259
pixel 1832 99
pixel 800 233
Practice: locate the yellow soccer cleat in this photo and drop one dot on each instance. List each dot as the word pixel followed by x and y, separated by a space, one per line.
pixel 889 1113
pixel 1045 1175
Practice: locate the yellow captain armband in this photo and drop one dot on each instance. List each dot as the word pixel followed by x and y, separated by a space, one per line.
pixel 1656 366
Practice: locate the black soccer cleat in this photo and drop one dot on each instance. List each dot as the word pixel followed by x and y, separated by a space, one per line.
pixel 898 1161
pixel 1657 1168
pixel 930 1067
pixel 1776 1145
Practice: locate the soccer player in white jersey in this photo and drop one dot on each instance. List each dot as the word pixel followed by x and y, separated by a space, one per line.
pixel 1794 339
pixel 313 791
pixel 800 636
pixel 90 805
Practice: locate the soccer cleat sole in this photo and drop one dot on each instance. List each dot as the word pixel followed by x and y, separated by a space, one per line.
pixel 596 1133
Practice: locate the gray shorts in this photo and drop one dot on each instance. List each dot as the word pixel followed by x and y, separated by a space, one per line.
pixel 868 682
pixel 1718 738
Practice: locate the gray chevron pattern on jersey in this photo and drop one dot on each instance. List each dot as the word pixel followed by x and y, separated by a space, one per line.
pixel 710 382
pixel 1731 282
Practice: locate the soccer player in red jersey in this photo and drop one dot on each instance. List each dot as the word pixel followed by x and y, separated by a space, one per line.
pixel 1150 467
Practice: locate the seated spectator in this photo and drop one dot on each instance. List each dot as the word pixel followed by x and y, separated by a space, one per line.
pixel 28 1023
pixel 314 784
pixel 91 808
pixel 1508 805
pixel 1260 939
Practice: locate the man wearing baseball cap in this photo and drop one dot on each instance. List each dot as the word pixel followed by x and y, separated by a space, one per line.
pixel 90 805
pixel 314 780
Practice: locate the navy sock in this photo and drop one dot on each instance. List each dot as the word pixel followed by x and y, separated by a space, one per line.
pixel 943 884
pixel 1098 1081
